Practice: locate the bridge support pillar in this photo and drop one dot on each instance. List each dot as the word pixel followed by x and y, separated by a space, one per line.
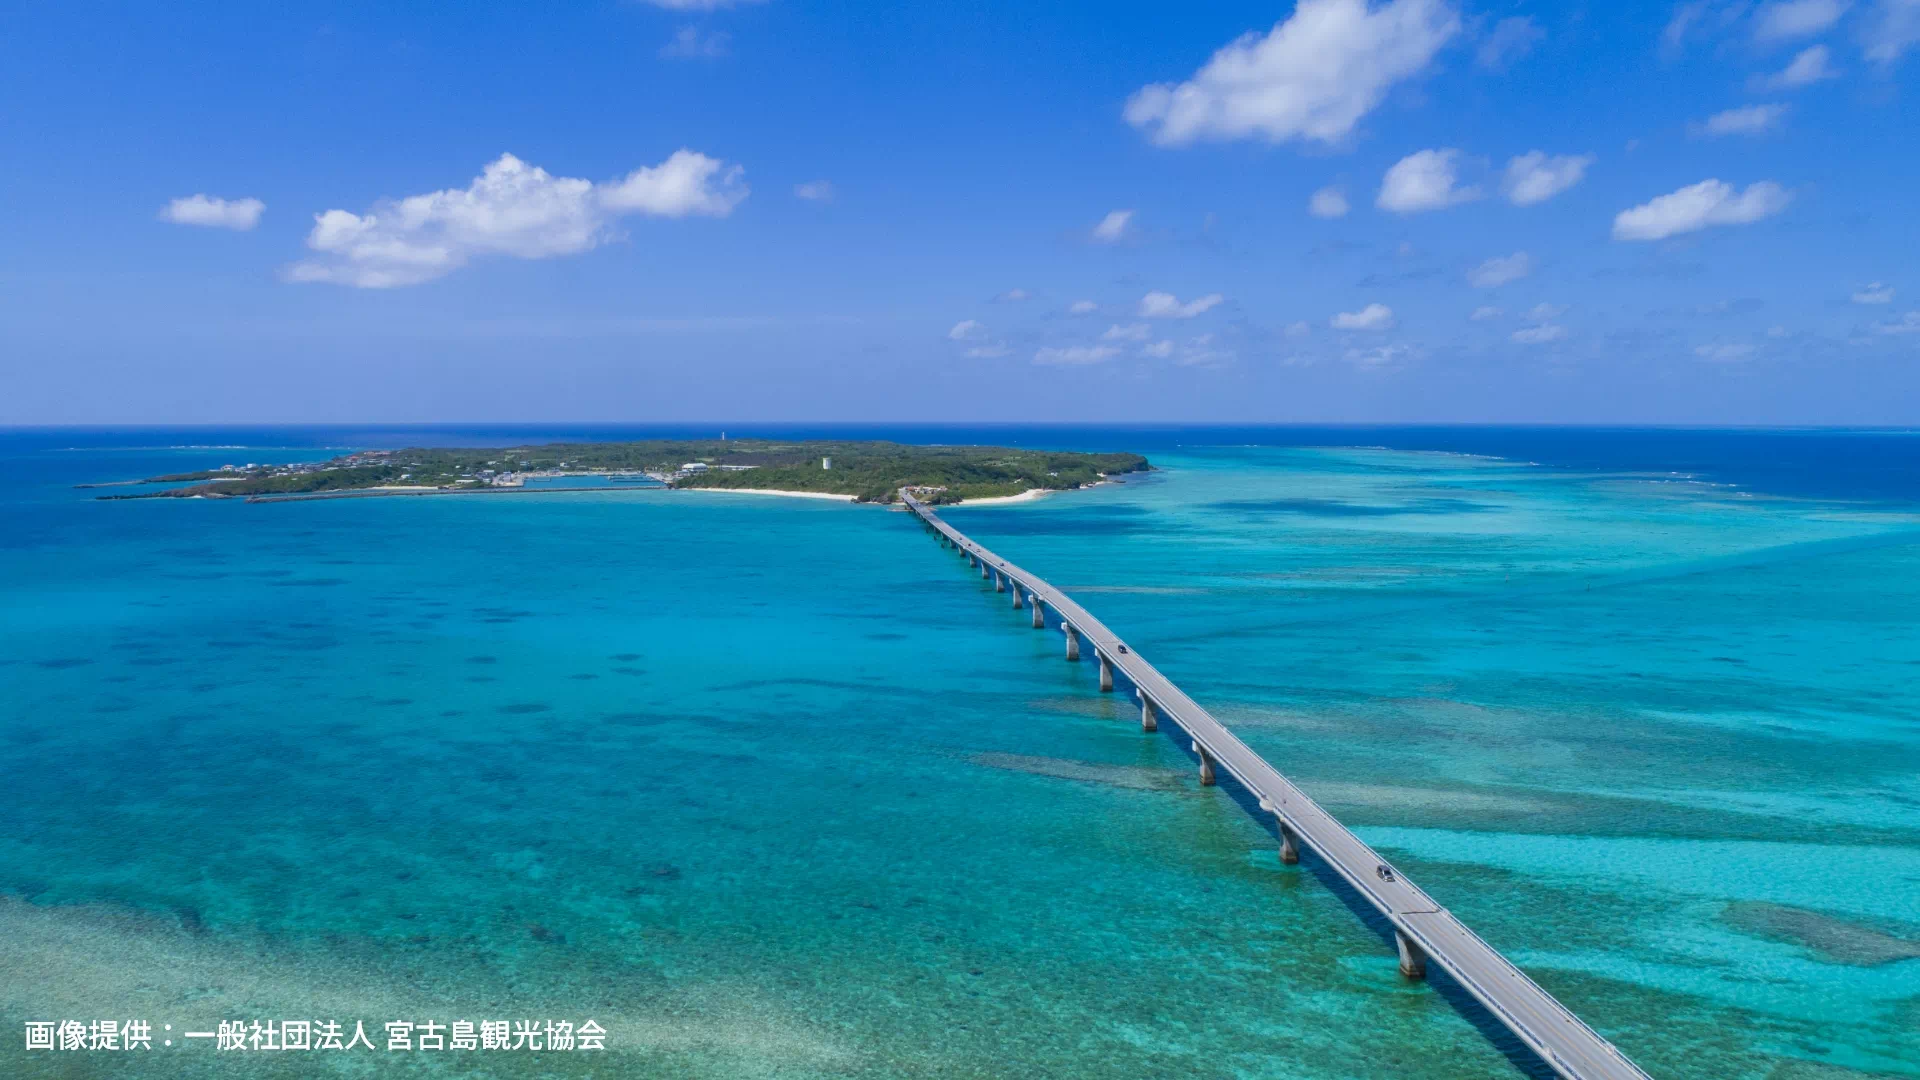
pixel 1207 779
pixel 1413 961
pixel 1073 641
pixel 1289 845
pixel 1106 672
pixel 1039 612
pixel 1014 587
pixel 1149 719
pixel 999 583
pixel 984 572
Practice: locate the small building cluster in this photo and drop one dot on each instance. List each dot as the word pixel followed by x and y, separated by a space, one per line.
pixel 700 468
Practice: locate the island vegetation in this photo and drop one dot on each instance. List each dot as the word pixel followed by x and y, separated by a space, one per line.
pixel 865 470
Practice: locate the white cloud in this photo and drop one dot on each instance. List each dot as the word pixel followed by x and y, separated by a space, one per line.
pixel 1013 296
pixel 512 208
pixel 1777 331
pixel 1379 356
pixel 1130 332
pixel 1810 66
pixel 1082 307
pixel 1786 19
pixel 698 5
pixel 1538 335
pixel 690 42
pixel 1533 177
pixel 1371 317
pixel 1424 180
pixel 1511 39
pixel 814 191
pixel 1545 312
pixel 1709 202
pixel 1770 23
pixel 1907 324
pixel 1684 17
pixel 1719 308
pixel 1707 16
pixel 1895 28
pixel 1501 269
pixel 1201 351
pixel 1113 228
pixel 1159 350
pixel 973 333
pixel 1723 354
pixel 1328 202
pixel 1875 293
pixel 237 214
pixel 685 184
pixel 1160 305
pixel 1298 329
pixel 1485 312
pixel 1314 76
pixel 1075 354
pixel 1746 120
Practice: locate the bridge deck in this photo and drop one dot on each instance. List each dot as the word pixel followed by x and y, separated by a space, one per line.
pixel 1561 1039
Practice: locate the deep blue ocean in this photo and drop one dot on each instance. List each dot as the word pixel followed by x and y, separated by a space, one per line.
pixel 773 787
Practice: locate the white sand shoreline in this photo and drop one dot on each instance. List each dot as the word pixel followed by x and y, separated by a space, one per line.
pixel 1026 496
pixel 772 491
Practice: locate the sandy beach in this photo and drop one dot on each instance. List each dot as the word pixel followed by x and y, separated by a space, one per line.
pixel 1026 496
pixel 771 491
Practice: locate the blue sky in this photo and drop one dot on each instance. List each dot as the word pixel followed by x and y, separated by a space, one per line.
pixel 680 210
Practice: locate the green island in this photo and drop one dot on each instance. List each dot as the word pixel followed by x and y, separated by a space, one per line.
pixel 864 471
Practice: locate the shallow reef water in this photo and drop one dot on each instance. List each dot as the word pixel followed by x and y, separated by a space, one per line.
pixel 775 787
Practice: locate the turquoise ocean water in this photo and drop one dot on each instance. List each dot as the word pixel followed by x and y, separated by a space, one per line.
pixel 773 788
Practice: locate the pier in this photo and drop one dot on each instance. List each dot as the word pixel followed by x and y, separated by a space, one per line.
pixel 1423 931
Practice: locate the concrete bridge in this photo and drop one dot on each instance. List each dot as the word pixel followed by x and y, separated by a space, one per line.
pixel 1423 930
